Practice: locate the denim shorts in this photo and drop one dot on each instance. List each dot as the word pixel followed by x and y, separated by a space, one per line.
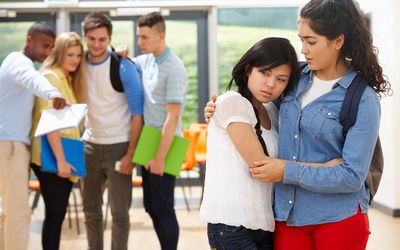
pixel 224 237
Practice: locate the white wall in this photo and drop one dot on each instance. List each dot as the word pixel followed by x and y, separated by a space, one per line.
pixel 385 20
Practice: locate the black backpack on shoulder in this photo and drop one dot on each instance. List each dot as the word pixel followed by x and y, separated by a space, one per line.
pixel 347 118
pixel 114 71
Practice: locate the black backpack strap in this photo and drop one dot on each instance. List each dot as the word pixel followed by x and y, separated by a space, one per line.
pixel 114 72
pixel 348 113
pixel 347 119
pixel 302 65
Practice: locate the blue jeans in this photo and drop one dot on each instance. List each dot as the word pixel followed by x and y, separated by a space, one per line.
pixel 224 237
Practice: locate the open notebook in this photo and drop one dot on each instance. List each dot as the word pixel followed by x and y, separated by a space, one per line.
pixel 57 119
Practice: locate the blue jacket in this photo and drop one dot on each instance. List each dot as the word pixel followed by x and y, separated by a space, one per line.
pixel 311 195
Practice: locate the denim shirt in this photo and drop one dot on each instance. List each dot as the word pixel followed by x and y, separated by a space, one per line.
pixel 314 195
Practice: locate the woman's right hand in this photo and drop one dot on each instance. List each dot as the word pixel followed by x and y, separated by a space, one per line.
pixel 64 169
pixel 209 109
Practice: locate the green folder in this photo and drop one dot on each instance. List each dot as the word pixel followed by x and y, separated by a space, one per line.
pixel 147 147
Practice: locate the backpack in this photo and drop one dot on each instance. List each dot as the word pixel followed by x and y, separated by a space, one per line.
pixel 347 118
pixel 114 71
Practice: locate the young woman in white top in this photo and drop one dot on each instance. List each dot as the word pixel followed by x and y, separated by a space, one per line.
pixel 238 208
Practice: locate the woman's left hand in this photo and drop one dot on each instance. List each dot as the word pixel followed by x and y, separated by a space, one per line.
pixel 268 170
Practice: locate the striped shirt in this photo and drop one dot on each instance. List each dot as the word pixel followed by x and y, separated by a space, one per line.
pixel 164 81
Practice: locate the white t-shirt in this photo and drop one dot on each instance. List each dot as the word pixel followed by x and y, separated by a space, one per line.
pixel 231 195
pixel 318 88
pixel 108 120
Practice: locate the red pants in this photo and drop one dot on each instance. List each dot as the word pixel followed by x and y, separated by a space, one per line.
pixel 348 234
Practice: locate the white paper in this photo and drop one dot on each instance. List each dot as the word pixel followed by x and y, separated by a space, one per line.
pixel 53 120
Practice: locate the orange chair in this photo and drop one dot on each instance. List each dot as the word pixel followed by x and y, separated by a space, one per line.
pixel 198 126
pixel 137 181
pixel 189 160
pixel 200 151
pixel 34 185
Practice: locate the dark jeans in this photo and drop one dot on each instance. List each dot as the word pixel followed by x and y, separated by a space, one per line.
pixel 158 199
pixel 55 191
pixel 224 237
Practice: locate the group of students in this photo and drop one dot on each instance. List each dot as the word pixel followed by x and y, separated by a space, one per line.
pixel 280 174
pixel 303 189
pixel 153 92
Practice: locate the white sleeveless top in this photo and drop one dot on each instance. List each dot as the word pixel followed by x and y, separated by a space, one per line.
pixel 231 195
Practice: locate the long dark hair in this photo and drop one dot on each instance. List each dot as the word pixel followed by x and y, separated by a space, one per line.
pixel 266 54
pixel 331 18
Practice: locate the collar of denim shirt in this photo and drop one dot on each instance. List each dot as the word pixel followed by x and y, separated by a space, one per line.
pixel 344 81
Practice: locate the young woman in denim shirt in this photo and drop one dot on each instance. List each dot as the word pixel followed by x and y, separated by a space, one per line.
pixel 326 208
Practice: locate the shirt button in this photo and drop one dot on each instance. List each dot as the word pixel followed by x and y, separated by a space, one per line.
pixel 329 113
pixel 294 157
pixel 290 202
pixel 295 136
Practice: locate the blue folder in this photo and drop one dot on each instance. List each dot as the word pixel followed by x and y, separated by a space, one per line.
pixel 74 155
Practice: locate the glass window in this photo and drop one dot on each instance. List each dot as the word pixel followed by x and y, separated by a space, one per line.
pixel 182 38
pixel 239 29
pixel 123 33
pixel 15 38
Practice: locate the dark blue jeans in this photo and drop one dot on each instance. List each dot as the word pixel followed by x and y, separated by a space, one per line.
pixel 224 237
pixel 158 199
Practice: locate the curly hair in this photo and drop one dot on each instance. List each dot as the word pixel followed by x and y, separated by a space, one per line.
pixel 331 18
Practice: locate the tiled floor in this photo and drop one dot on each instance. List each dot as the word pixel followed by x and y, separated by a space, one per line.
pixel 385 229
